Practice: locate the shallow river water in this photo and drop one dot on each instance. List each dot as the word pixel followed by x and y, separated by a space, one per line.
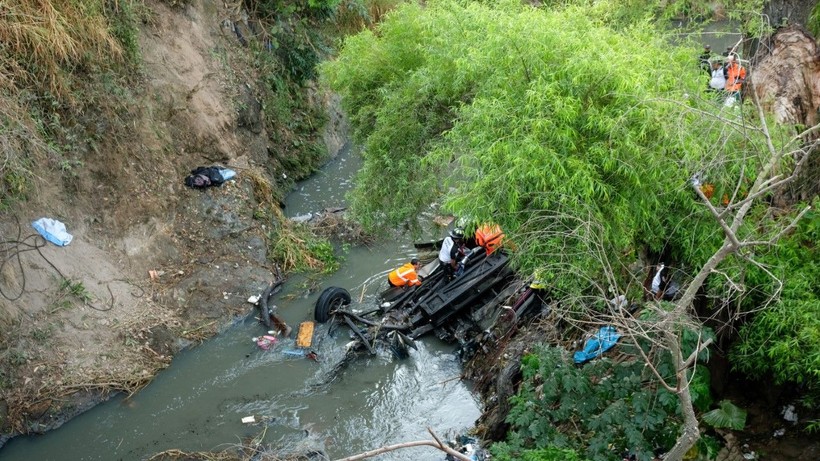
pixel 198 402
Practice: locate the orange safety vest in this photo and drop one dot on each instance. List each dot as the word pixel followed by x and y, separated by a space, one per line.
pixel 735 74
pixel 405 275
pixel 490 237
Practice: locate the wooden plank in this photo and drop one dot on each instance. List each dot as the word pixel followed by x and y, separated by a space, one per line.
pixel 305 336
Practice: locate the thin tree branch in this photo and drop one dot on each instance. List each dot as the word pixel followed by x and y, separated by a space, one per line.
pixel 694 355
pixel 782 232
pixel 730 234
pixel 436 443
pixel 767 186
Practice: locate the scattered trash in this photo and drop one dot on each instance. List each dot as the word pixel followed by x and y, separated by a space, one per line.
pixel 294 352
pixel 302 218
pixel 52 230
pixel 258 419
pixel 469 447
pixel 779 433
pixel 254 299
pixel 153 275
pixel 618 302
pixel 267 341
pixel 308 354
pixel 305 336
pixel 789 414
pixel 750 456
pixel 601 342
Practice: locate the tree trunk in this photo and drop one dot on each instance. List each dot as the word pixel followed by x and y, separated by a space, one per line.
pixel 787 12
pixel 785 76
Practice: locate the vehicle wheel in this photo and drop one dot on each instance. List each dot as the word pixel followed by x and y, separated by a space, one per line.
pixel 330 300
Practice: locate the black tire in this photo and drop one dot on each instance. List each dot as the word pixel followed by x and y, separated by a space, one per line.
pixel 330 300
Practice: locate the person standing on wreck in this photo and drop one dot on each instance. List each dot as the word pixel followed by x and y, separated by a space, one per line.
pixel 406 275
pixel 450 253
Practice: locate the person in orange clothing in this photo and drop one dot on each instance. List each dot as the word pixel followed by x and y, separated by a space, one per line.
pixel 490 237
pixel 735 76
pixel 406 275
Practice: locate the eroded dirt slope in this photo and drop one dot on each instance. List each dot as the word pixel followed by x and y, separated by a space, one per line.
pixel 82 320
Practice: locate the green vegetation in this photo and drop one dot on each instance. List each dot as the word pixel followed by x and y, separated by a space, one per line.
pixel 52 51
pixel 76 289
pixel 293 245
pixel 578 131
pixel 297 249
pixel 814 21
pixel 608 404
pixel 504 452
pixel 286 53
pixel 783 340
pixel 728 415
pixel 540 121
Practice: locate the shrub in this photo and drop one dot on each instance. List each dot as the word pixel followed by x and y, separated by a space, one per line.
pixel 783 340
pixel 594 409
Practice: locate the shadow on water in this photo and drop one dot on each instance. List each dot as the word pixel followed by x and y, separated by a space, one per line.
pixel 718 34
pixel 197 404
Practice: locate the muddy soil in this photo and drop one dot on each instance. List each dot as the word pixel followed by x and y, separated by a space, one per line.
pixel 82 321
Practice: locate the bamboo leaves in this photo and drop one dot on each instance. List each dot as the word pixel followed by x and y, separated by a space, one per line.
pixel 509 113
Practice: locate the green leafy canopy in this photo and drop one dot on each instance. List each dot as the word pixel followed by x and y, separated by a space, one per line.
pixel 533 119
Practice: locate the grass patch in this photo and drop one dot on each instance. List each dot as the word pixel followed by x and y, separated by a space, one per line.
pixel 292 245
pixel 51 51
pixel 22 147
pixel 352 16
pixel 41 335
pixel 76 289
pixel 43 38
pixel 295 247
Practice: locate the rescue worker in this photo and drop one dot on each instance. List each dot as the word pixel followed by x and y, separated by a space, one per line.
pixel 704 59
pixel 452 249
pixel 718 82
pixel 406 275
pixel 489 237
pixel 735 75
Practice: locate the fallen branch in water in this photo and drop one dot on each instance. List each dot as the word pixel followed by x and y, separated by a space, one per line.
pixel 435 443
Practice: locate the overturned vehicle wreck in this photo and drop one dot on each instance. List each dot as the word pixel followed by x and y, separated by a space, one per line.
pixel 452 309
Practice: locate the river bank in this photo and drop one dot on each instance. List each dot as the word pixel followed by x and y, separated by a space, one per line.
pixel 154 267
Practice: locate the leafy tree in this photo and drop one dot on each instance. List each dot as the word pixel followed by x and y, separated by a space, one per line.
pixel 497 111
pixel 579 141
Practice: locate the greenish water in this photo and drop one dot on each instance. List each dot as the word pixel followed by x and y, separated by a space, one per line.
pixel 199 401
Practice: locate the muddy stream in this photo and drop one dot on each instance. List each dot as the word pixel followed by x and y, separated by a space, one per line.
pixel 197 404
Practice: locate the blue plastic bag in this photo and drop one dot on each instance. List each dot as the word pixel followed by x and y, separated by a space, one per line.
pixel 601 342
pixel 52 230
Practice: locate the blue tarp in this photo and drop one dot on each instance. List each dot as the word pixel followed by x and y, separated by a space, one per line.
pixel 601 342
